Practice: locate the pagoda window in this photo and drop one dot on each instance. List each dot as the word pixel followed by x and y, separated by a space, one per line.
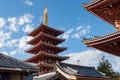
pixel 49 50
pixel 55 51
pixel 52 52
pixel 49 60
pixel 50 70
pixel 46 59
pixel 48 42
pixel 43 30
pixel 45 70
pixel 49 33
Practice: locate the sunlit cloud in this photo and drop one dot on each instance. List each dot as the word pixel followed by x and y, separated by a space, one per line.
pixel 12 23
pixel 28 2
pixel 92 57
pixel 27 18
pixel 77 33
pixel 2 22
pixel 28 28
pixel 67 34
pixel 12 41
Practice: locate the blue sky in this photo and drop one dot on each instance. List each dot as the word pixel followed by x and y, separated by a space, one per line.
pixel 19 17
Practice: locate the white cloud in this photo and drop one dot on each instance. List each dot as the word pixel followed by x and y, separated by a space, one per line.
pixel 13 26
pixel 92 57
pixel 22 42
pixel 28 28
pixel 85 30
pixel 4 52
pixel 1 44
pixel 28 2
pixel 2 22
pixel 12 42
pixel 4 36
pixel 41 18
pixel 67 33
pixel 22 22
pixel 13 52
pixel 77 33
pixel 78 28
pixel 87 58
pixel 27 18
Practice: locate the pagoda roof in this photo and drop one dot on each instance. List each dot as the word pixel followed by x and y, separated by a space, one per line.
pixel 107 10
pixel 109 43
pixel 36 48
pixel 41 35
pixel 71 71
pixel 8 63
pixel 42 27
pixel 45 65
pixel 37 57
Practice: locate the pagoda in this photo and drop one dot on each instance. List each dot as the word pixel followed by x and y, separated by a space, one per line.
pixel 109 11
pixel 45 47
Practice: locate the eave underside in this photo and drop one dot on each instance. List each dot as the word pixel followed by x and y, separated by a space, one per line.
pixel 42 45
pixel 38 56
pixel 45 65
pixel 43 37
pixel 109 43
pixel 45 29
pixel 107 10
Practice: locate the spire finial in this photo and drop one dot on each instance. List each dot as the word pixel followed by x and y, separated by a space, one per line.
pixel 45 16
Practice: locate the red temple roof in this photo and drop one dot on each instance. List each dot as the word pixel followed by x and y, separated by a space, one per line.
pixel 42 36
pixel 109 43
pixel 45 29
pixel 108 10
pixel 45 65
pixel 42 45
pixel 38 56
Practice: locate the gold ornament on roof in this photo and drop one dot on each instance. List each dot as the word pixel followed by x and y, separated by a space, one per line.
pixel 117 24
pixel 45 16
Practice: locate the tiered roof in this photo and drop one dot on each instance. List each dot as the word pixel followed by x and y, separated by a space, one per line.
pixel 42 36
pixel 109 43
pixel 45 41
pixel 109 11
pixel 45 49
pixel 40 55
pixel 45 29
pixel 42 45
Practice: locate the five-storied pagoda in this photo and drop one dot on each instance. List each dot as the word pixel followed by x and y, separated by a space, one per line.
pixel 45 49
pixel 109 11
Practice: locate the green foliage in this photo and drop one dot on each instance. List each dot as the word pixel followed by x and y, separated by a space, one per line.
pixel 106 68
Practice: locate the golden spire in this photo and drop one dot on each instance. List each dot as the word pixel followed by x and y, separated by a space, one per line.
pixel 45 16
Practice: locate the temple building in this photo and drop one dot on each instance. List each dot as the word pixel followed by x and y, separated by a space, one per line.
pixel 45 47
pixel 14 69
pixel 66 71
pixel 109 11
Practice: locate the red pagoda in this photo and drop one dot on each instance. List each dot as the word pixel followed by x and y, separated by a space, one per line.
pixel 45 49
pixel 109 11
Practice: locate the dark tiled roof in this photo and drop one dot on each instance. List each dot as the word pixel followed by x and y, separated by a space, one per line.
pixel 46 76
pixel 12 64
pixel 78 70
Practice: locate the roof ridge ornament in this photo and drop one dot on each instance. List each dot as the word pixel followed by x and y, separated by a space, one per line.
pixel 45 16
pixel 117 24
